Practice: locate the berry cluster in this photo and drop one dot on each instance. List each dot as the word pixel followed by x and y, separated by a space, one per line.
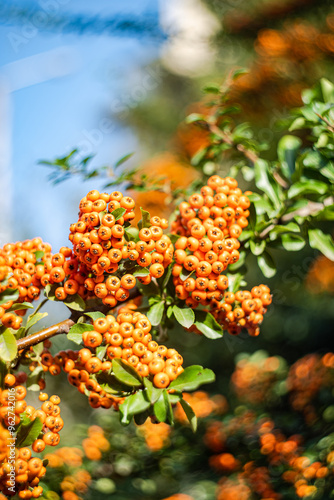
pixel 244 309
pixel 104 253
pixel 21 269
pixel 28 470
pixel 209 225
pixel 127 337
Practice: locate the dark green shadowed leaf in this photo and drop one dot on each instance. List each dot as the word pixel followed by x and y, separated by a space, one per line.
pixel 118 213
pixel 292 242
pixel 8 295
pixel 28 432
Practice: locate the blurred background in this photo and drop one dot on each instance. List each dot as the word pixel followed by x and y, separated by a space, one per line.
pixel 109 79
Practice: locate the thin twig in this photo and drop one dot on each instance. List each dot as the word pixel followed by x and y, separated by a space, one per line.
pixel 251 155
pixel 46 333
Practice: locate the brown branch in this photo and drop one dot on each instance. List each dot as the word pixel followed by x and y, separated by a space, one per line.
pixel 228 140
pixel 46 333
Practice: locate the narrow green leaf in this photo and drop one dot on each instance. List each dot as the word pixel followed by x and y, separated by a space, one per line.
pixel 191 378
pixel 20 306
pixel 8 347
pixel 163 408
pixel 266 264
pixel 28 432
pixel 207 324
pixel 184 316
pixel 153 393
pixel 263 182
pixel 101 351
pixel 123 159
pixel 39 254
pixel 118 213
pixel 304 187
pixel 321 241
pixel 190 414
pixel 195 117
pixel 155 313
pixel 125 373
pixel 291 227
pixel 287 150
pixel 145 219
pixel 34 318
pixel 34 377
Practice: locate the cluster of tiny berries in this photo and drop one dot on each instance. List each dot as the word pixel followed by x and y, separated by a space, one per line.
pixel 21 270
pixel 243 309
pixel 28 469
pixel 103 251
pixel 209 226
pixel 127 337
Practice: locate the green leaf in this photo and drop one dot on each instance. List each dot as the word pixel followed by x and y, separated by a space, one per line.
pixel 76 331
pixel 155 313
pixel 145 219
pixel 175 397
pixel 190 414
pixel 263 182
pixel 297 124
pixel 111 385
pixel 34 377
pixel 3 373
pixel 34 318
pixel 291 227
pixel 118 213
pixel 131 234
pixel 75 302
pixel 207 324
pixel 8 347
pixel 20 306
pixel 126 373
pixel 287 150
pixel 191 378
pixel 28 432
pixel 38 348
pixel 140 271
pixel 235 281
pixel 184 316
pixel 257 247
pixel 185 274
pixel 39 254
pixel 9 294
pixel 266 264
pixel 153 393
pixel 304 187
pixel 321 241
pixel 195 117
pixel 165 279
pixel 101 351
pixel 123 159
pixel 134 404
pixel 292 242
pixel 95 315
pixel 163 408
pixel 327 89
